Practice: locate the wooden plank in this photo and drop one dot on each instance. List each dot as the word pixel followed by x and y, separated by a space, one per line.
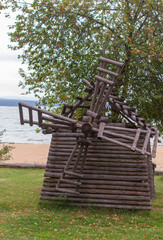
pixel 40 118
pixel 116 142
pixel 114 192
pixel 122 178
pixel 100 171
pixel 107 196
pixel 147 138
pixel 84 158
pixel 103 191
pixel 118 135
pixel 132 130
pixel 121 103
pixel 102 59
pixel 104 80
pixel 101 177
pixel 49 186
pixel 78 157
pixel 55 126
pixel 66 134
pixel 125 106
pixel 21 114
pixel 109 172
pixel 92 114
pixel 107 71
pixel 102 143
pixel 111 161
pixel 100 97
pixel 107 201
pixel 155 144
pixel 53 120
pixel 138 131
pixel 123 144
pixel 107 204
pixel 98 155
pixel 71 182
pixel 74 174
pixel 101 130
pixel 150 175
pixel 30 117
pixel 94 95
pixel 67 165
pixel 108 183
pixel 65 190
pixel 84 200
pixel 115 169
pixel 96 149
pixel 87 83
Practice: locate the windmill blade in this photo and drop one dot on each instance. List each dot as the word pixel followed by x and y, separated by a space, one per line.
pixel 104 85
pixel 74 168
pixel 104 132
pixel 69 110
pixel 45 119
pixel 127 112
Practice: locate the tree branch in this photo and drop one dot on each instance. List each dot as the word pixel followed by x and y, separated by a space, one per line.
pixel 141 25
pixel 100 23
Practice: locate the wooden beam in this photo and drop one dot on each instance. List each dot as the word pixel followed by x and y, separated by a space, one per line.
pixel 102 59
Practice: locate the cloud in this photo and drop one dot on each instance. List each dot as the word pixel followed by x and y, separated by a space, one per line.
pixel 9 62
pixel 9 58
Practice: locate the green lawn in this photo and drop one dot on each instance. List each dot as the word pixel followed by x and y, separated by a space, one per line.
pixel 22 217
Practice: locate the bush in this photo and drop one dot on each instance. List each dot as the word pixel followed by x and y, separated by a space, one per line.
pixel 5 153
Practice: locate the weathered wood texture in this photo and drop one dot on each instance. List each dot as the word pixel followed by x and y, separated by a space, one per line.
pixel 113 176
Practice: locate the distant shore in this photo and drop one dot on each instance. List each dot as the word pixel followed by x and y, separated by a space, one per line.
pixel 10 102
pixel 38 153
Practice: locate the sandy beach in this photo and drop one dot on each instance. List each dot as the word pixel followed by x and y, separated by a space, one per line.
pixel 29 153
pixel 37 154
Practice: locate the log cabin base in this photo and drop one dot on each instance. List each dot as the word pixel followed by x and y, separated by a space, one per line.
pixel 113 176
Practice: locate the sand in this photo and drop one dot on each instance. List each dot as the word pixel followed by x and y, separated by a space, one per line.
pixel 29 153
pixel 38 153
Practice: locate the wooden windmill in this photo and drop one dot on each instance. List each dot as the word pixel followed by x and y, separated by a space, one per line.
pixel 94 162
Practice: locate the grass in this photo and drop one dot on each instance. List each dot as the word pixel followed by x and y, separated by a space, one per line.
pixel 23 217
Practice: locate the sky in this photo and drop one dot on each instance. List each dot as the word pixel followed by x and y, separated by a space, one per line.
pixel 9 64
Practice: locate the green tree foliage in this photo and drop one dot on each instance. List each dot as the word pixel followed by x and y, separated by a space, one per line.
pixel 5 150
pixel 62 40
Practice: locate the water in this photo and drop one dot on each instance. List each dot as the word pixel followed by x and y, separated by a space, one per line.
pixel 17 133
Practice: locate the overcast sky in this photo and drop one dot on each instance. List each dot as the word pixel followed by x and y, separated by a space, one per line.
pixel 9 63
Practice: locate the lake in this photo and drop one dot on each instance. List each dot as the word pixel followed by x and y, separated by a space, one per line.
pixel 17 133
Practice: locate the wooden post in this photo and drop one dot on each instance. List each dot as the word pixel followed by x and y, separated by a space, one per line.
pixel 138 131
pixel 155 143
pixel 67 165
pixel 147 138
pixel 101 130
pixel 21 114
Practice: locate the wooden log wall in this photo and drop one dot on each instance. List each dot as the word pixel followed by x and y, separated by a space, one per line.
pixel 114 176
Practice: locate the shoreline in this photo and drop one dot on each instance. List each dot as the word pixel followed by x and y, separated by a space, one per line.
pixel 37 154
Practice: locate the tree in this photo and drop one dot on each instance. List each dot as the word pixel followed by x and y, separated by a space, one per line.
pixel 62 40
